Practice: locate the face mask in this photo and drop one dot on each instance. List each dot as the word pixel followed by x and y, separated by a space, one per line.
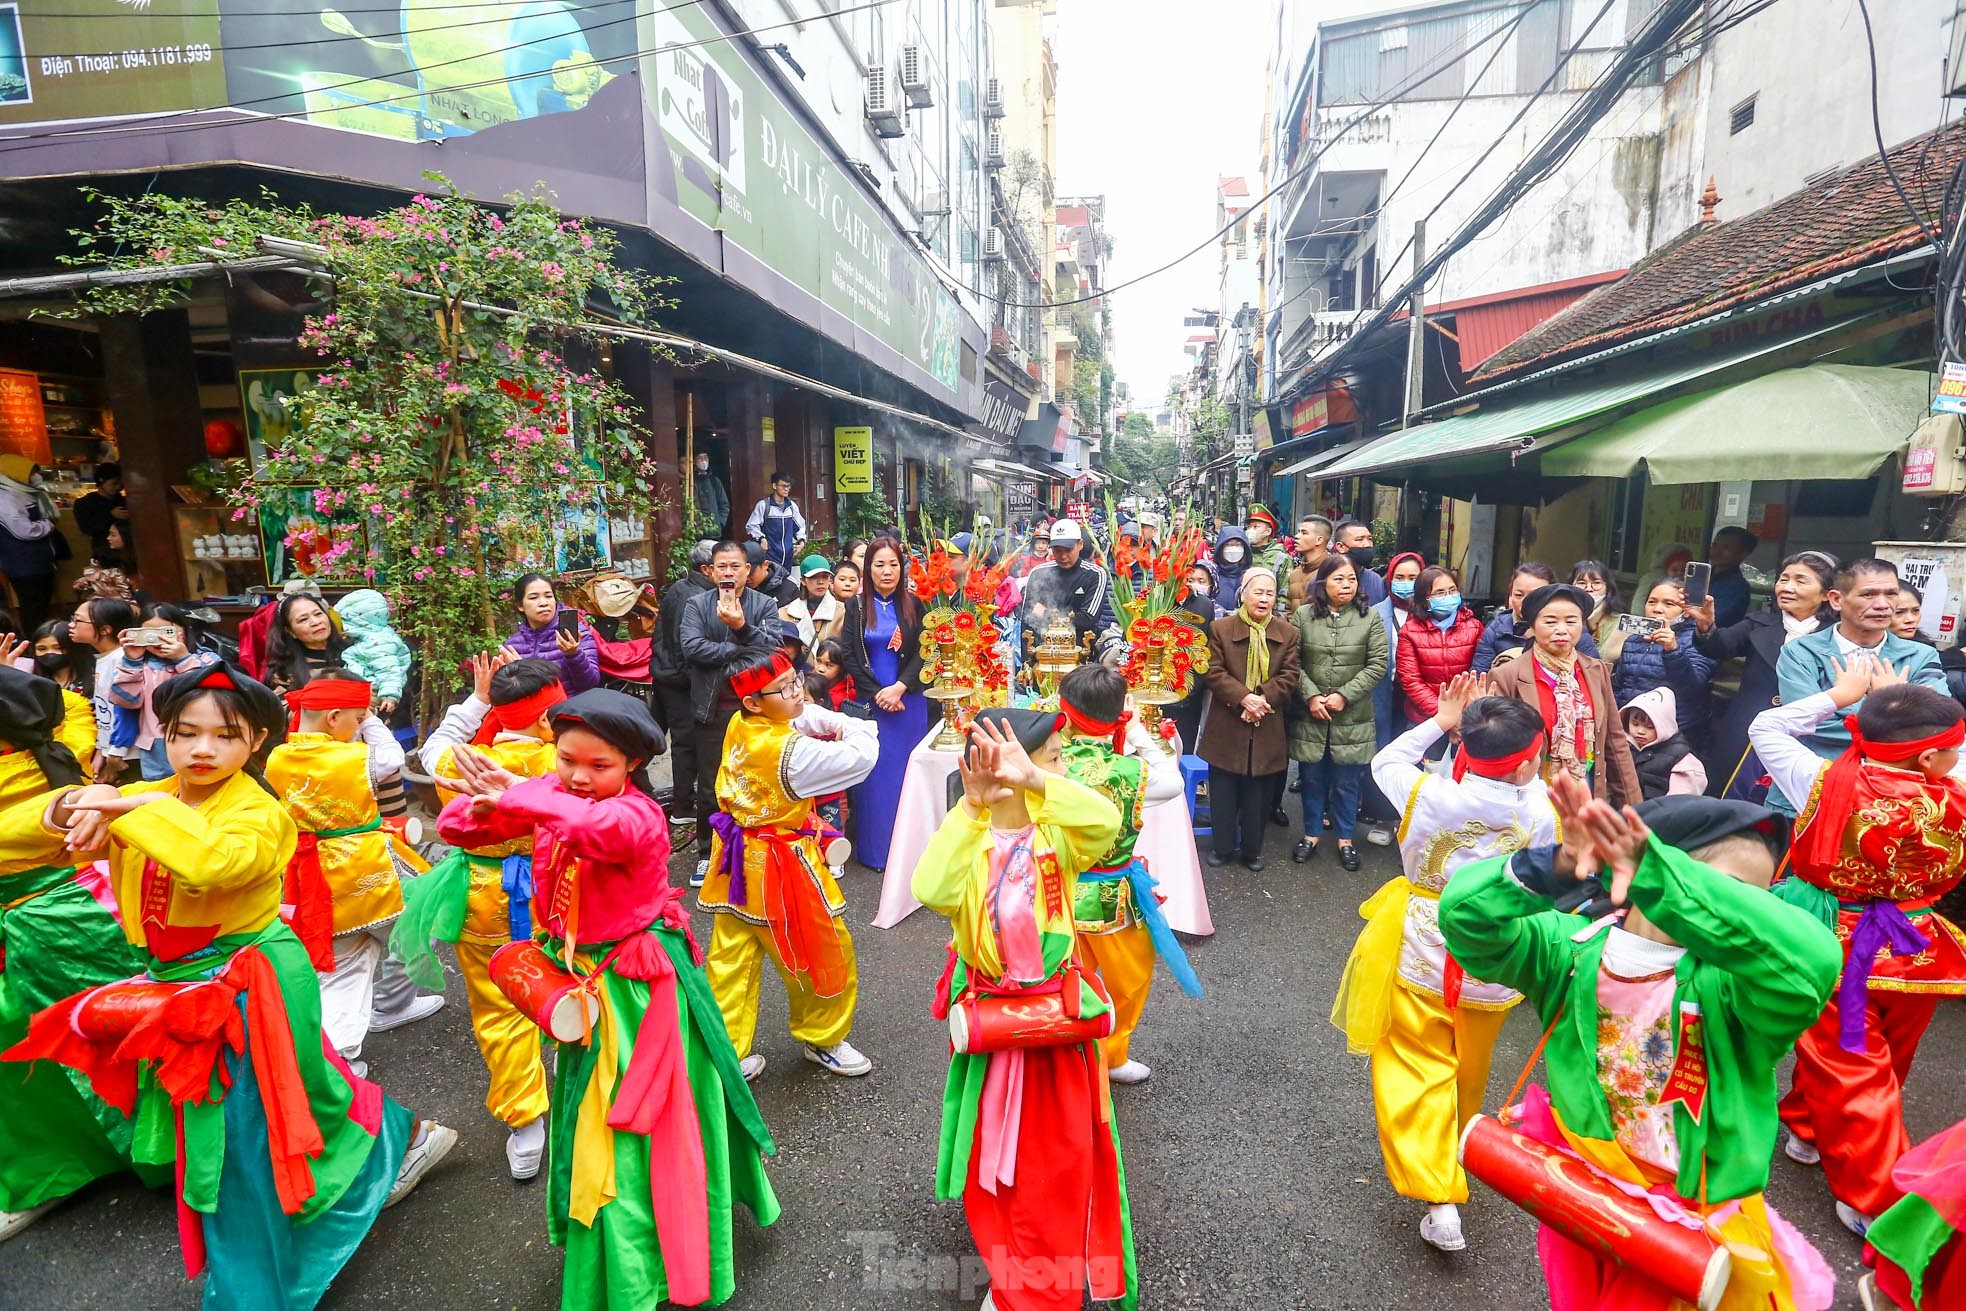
pixel 1258 533
pixel 1361 556
pixel 1200 587
pixel 1232 552
pixel 51 663
pixel 1443 606
pixel 703 466
pixel 1402 588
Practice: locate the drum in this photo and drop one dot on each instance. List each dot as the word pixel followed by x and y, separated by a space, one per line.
pixel 1017 1022
pixel 1571 1198
pixel 109 1012
pixel 549 996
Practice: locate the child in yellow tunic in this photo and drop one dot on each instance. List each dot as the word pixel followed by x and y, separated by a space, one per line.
pixel 770 885
pixel 480 898
pixel 286 1157
pixel 326 773
pixel 1028 1137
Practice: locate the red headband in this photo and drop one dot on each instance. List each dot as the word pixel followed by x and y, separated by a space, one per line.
pixel 523 713
pixel 1495 766
pixel 1080 722
pixel 1898 753
pixel 321 694
pixel 753 681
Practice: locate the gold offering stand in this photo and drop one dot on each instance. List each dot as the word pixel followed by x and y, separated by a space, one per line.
pixel 952 669
pixel 1151 678
pixel 1057 654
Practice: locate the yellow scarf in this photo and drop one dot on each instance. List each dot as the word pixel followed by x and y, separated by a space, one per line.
pixel 1258 672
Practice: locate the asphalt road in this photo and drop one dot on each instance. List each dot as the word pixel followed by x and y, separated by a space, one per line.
pixel 1251 1158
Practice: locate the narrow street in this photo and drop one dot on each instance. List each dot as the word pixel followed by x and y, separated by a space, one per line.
pixel 1251 1161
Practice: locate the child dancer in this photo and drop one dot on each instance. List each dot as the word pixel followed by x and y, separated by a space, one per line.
pixel 1878 841
pixel 480 898
pixel 1915 1246
pixel 345 883
pixel 770 887
pixel 56 938
pixel 1405 1002
pixel 1118 915
pixel 284 1157
pixel 654 1134
pixel 1028 1138
pixel 1665 1030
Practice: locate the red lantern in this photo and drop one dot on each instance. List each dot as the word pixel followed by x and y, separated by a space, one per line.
pixel 222 439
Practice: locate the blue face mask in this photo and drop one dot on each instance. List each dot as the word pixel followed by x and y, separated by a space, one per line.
pixel 1441 607
pixel 1402 588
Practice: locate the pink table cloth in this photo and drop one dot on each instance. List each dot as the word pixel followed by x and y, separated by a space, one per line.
pixel 1167 842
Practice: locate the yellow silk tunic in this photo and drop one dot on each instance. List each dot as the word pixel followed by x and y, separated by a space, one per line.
pixel 77 730
pixel 227 858
pixel 325 786
pixel 487 919
pixel 751 788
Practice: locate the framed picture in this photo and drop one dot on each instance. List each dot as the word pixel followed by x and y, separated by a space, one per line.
pixel 270 399
pixel 296 539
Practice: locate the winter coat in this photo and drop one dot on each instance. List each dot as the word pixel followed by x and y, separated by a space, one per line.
pixel 1227 743
pixel 375 653
pixel 1615 778
pixel 712 499
pixel 578 671
pixel 1228 577
pixel 1428 658
pixel 708 643
pixel 1344 652
pixel 1271 555
pixel 780 526
pixel 1668 766
pixel 1644 665
pixel 1501 637
pixel 666 663
pixel 1386 721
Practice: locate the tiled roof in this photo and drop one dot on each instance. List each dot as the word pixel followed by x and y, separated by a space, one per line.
pixel 1849 219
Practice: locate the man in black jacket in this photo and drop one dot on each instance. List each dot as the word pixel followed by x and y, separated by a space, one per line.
pixel 1070 582
pixel 716 625
pixel 670 674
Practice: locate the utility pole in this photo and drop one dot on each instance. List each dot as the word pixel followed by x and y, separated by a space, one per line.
pixel 1416 330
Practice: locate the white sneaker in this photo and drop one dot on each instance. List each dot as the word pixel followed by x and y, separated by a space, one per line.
pixel 358 1067
pixel 422 1008
pixel 1441 1227
pixel 751 1066
pixel 1854 1220
pixel 523 1148
pixel 1801 1151
pixel 430 1147
pixel 12 1222
pixel 1867 1294
pixel 840 1058
pixel 1379 836
pixel 702 874
pixel 1129 1072
pixel 989 1302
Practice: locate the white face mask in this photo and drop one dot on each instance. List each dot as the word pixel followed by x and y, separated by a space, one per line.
pixel 1232 552
pixel 703 466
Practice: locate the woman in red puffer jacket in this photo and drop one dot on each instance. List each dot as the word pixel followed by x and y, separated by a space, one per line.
pixel 1437 642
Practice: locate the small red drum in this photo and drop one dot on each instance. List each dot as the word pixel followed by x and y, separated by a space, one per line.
pixel 1571 1198
pixel 1020 1022
pixel 548 996
pixel 111 1011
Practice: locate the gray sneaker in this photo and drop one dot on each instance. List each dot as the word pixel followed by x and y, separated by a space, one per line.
pixel 1379 835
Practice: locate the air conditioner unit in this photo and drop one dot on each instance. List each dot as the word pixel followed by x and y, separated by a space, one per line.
pixel 993 246
pixel 993 149
pixel 882 112
pixel 914 77
pixel 993 98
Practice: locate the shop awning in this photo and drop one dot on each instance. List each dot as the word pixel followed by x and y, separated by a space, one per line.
pixel 1818 421
pixel 1504 427
pixel 1322 458
pixel 1007 469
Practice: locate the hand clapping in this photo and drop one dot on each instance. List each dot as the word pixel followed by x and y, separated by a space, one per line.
pixel 479 777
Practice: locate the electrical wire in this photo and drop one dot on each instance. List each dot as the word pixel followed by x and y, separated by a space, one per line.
pixel 1877 129
pixel 210 13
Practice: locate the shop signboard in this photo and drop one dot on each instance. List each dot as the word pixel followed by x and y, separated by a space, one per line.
pixel 749 169
pixel 81 60
pixel 1951 396
pixel 1675 518
pixel 853 461
pixel 23 421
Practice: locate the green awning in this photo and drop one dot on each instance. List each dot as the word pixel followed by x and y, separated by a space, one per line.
pixel 1503 427
pixel 1818 421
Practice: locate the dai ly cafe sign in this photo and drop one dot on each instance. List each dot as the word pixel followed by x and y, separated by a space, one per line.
pixel 1321 409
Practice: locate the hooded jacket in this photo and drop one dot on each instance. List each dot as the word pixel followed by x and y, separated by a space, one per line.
pixel 375 652
pixel 1228 577
pixel 1685 669
pixel 1668 765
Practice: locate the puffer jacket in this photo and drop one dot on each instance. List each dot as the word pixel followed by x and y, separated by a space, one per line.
pixel 578 671
pixel 375 652
pixel 1685 669
pixel 1429 657
pixel 1344 652
pixel 1228 577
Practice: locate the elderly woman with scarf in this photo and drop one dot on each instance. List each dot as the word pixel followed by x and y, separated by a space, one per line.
pixel 1252 675
pixel 654 1135
pixel 1573 692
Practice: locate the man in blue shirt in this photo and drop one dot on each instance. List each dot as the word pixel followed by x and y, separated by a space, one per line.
pixel 1865 594
pixel 1729 586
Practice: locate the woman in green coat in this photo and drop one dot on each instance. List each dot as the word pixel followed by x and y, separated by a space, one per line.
pixel 1341 647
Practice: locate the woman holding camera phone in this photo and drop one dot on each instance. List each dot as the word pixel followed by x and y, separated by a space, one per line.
pixel 1661 652
pixel 554 634
pixel 154 652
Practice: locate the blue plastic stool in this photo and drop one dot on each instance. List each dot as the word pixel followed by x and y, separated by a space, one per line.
pixel 1194 781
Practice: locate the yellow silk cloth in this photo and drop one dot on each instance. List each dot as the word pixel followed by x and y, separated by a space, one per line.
pixel 593 1138
pixel 1125 961
pixel 325 786
pixel 1364 1005
pixel 735 966
pixel 1429 1077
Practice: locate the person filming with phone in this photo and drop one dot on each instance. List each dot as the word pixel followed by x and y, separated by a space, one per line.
pixel 1659 651
pixel 553 633
pixel 153 652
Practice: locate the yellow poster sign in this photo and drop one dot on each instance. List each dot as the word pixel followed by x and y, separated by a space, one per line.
pixel 853 460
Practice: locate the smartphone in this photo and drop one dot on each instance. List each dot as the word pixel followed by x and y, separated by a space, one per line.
pixel 146 636
pixel 1697 575
pixel 569 623
pixel 1639 624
